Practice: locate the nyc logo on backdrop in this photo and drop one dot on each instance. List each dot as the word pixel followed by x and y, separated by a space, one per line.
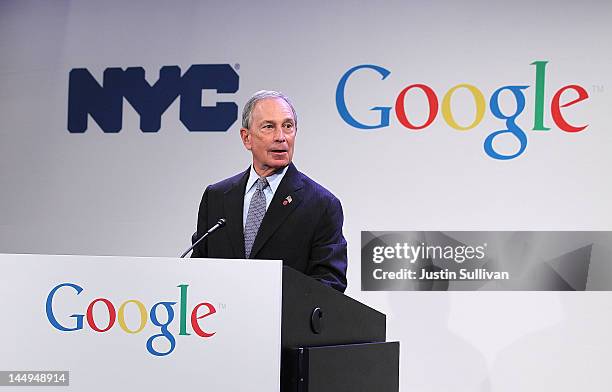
pixel 507 116
pixel 104 103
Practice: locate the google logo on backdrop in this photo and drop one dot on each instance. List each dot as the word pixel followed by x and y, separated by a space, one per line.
pixel 512 128
pixel 114 315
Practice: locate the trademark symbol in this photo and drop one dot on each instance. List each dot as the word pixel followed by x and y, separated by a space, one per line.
pixel 236 66
pixel 597 88
pixel 221 306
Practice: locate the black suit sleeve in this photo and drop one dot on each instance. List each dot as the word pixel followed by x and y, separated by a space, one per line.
pixel 328 258
pixel 202 249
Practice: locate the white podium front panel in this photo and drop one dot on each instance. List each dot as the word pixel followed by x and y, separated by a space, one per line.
pixel 142 324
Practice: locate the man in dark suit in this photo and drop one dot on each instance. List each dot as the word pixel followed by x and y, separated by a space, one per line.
pixel 272 210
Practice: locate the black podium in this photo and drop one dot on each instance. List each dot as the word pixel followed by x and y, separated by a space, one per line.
pixel 330 342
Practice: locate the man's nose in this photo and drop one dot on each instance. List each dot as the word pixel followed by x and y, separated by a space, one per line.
pixel 279 135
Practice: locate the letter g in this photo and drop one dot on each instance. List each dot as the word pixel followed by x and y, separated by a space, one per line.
pixel 341 102
pixel 51 316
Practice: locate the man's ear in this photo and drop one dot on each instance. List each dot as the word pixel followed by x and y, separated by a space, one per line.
pixel 245 135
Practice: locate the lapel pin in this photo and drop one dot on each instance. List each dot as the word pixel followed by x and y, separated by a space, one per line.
pixel 287 200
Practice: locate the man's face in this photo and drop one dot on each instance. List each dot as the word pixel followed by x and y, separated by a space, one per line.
pixel 270 135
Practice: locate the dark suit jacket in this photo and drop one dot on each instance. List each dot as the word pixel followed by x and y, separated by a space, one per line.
pixel 305 233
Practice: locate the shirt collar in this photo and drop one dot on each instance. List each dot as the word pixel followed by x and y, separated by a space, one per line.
pixel 273 179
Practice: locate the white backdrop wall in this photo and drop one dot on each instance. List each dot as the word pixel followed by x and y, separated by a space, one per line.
pixel 135 193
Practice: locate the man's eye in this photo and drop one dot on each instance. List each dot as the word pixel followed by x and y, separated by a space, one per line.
pixel 288 125
pixel 268 126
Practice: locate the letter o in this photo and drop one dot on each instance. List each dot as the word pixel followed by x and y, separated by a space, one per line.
pixel 143 316
pixel 478 100
pixel 111 314
pixel 400 111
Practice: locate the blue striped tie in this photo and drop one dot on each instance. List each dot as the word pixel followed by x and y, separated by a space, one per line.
pixel 257 210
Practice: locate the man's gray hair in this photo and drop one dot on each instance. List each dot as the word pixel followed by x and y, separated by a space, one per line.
pixel 258 96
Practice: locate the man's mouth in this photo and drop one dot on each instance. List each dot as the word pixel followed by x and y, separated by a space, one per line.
pixel 278 151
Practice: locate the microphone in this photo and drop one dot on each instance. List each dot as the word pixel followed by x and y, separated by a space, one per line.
pixel 220 223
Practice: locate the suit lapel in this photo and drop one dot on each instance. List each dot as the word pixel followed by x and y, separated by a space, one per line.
pixel 287 197
pixel 233 204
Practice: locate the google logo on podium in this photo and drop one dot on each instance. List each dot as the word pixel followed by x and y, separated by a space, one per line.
pixel 511 127
pixel 198 313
